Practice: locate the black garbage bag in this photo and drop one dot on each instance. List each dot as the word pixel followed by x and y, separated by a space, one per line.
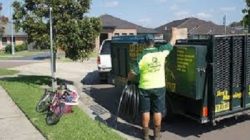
pixel 129 102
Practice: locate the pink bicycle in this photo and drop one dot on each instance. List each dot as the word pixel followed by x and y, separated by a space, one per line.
pixel 57 103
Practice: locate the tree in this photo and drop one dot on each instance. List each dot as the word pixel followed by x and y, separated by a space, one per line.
pixel 246 19
pixel 73 31
pixel 3 21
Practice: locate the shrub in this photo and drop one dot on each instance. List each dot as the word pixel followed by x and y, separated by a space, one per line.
pixel 21 47
pixel 18 48
pixel 8 49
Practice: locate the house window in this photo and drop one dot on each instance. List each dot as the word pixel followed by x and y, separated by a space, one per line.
pixel 131 33
pixel 124 34
pixel 117 34
pixel 14 39
pixel 4 40
pixel 10 40
pixel 193 36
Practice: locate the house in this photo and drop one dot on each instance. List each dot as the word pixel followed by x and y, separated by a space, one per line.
pixel 19 37
pixel 197 28
pixel 113 26
pixel 239 26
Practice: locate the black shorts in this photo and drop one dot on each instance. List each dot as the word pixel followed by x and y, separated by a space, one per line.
pixel 152 100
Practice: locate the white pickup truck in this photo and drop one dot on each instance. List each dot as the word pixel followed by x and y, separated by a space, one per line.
pixel 104 60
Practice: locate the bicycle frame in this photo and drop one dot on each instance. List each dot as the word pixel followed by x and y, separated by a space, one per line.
pixel 57 103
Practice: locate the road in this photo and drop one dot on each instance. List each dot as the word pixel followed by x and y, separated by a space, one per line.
pixel 180 128
pixel 20 61
pixel 100 101
pixel 13 63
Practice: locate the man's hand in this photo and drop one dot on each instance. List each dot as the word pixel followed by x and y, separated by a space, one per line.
pixel 180 33
pixel 131 76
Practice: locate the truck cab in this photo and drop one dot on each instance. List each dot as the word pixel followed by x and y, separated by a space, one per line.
pixel 104 60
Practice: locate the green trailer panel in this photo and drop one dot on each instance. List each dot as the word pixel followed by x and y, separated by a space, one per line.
pixel 185 71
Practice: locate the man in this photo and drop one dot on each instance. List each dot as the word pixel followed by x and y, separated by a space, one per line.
pixel 150 67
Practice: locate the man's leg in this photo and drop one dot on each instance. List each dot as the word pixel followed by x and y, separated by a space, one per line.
pixel 145 109
pixel 157 125
pixel 158 106
pixel 145 124
pixel 145 119
pixel 157 119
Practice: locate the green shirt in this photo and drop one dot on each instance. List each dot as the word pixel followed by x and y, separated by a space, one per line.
pixel 150 66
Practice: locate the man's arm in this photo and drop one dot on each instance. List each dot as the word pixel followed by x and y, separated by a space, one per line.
pixel 177 34
pixel 173 36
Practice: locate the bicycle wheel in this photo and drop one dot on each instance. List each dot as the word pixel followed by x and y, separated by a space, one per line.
pixel 43 103
pixel 54 117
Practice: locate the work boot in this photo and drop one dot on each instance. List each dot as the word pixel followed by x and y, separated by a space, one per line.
pixel 146 133
pixel 157 133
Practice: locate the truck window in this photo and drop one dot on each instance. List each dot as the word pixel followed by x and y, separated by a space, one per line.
pixel 106 48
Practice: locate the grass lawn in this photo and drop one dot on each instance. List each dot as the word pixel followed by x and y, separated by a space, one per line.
pixel 7 72
pixel 4 56
pixel 26 91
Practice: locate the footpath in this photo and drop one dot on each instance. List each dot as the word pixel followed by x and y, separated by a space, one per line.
pixel 13 123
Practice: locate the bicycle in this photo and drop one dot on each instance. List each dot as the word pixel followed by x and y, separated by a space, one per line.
pixel 44 101
pixel 57 103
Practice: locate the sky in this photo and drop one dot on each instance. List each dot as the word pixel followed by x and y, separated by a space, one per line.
pixel 154 13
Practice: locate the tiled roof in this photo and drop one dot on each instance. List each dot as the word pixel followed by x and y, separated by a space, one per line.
pixel 198 26
pixel 109 21
pixel 174 23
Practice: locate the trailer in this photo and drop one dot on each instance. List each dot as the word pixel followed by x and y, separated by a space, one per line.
pixel 206 80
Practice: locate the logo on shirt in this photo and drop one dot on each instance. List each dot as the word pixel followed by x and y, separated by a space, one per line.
pixel 154 66
pixel 154 60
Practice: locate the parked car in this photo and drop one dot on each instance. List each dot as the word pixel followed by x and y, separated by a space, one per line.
pixel 104 60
